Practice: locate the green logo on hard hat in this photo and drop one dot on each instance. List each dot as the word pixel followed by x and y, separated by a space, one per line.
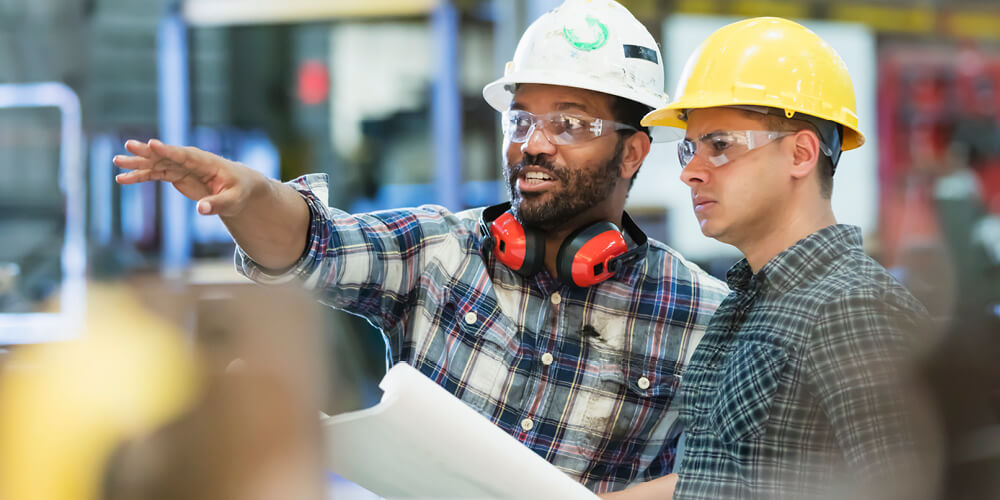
pixel 598 35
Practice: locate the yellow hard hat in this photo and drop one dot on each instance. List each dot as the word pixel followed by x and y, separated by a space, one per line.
pixel 66 407
pixel 766 61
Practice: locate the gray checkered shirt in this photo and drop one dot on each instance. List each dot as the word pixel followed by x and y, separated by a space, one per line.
pixel 796 389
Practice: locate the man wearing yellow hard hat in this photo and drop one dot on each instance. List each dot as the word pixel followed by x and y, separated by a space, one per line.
pixel 800 387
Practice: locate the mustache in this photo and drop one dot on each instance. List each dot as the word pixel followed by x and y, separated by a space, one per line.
pixel 539 161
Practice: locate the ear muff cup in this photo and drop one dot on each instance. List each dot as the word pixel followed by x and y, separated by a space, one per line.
pixel 590 254
pixel 517 247
pixel 520 249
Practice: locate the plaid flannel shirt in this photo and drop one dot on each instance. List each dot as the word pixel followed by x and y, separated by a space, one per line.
pixel 583 377
pixel 796 390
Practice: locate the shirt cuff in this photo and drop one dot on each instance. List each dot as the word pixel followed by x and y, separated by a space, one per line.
pixel 311 187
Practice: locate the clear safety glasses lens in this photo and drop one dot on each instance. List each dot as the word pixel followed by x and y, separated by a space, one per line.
pixel 559 127
pixel 719 148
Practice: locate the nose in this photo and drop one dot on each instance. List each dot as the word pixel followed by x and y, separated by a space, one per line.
pixel 537 142
pixel 696 172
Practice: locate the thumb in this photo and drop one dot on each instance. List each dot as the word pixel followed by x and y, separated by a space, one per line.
pixel 222 203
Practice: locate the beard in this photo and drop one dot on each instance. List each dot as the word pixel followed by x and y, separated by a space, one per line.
pixel 580 190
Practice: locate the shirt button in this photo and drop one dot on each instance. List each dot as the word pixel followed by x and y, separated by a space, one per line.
pixel 527 424
pixel 547 359
pixel 643 383
pixel 556 298
pixel 471 317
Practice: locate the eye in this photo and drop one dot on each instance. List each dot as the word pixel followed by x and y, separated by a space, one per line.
pixel 718 144
pixel 571 123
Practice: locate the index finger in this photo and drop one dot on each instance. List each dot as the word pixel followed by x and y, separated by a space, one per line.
pixel 138 148
pixel 177 154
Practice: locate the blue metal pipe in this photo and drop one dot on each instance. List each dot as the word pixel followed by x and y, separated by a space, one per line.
pixel 174 106
pixel 446 108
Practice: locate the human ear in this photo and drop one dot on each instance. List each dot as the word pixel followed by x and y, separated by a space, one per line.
pixel 634 152
pixel 805 153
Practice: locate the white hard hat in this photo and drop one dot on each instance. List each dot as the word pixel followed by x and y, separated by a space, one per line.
pixel 589 44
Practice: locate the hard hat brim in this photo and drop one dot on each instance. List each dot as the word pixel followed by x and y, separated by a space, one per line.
pixel 498 97
pixel 669 116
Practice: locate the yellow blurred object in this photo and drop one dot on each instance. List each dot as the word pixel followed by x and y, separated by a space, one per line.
pixel 66 407
pixel 766 61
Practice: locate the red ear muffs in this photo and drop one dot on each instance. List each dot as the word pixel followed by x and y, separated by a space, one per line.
pixel 587 256
pixel 520 249
pixel 594 253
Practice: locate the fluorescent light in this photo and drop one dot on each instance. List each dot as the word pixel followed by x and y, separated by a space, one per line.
pixel 229 12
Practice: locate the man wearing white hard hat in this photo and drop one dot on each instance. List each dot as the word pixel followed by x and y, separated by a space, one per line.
pixel 551 315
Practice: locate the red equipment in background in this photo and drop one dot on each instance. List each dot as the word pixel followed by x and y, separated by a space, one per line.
pixel 937 109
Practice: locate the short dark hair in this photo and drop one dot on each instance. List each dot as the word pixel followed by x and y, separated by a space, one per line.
pixel 779 123
pixel 629 112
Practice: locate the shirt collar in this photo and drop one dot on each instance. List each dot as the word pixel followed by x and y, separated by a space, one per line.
pixel 738 277
pixel 630 273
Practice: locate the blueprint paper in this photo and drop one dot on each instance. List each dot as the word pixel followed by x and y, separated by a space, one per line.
pixel 420 441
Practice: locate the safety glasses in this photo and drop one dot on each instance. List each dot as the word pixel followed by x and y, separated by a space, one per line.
pixel 559 127
pixel 720 148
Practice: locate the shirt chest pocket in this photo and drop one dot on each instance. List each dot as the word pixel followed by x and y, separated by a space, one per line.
pixel 475 344
pixel 746 391
pixel 633 399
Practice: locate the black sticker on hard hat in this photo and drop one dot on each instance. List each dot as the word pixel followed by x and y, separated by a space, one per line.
pixel 640 52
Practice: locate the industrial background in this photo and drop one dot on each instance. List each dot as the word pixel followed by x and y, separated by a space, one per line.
pixel 385 97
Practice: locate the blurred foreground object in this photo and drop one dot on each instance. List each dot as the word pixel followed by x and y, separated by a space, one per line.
pixel 134 410
pixel 66 407
pixel 255 434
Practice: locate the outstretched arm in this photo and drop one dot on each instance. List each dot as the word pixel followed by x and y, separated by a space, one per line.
pixel 268 220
